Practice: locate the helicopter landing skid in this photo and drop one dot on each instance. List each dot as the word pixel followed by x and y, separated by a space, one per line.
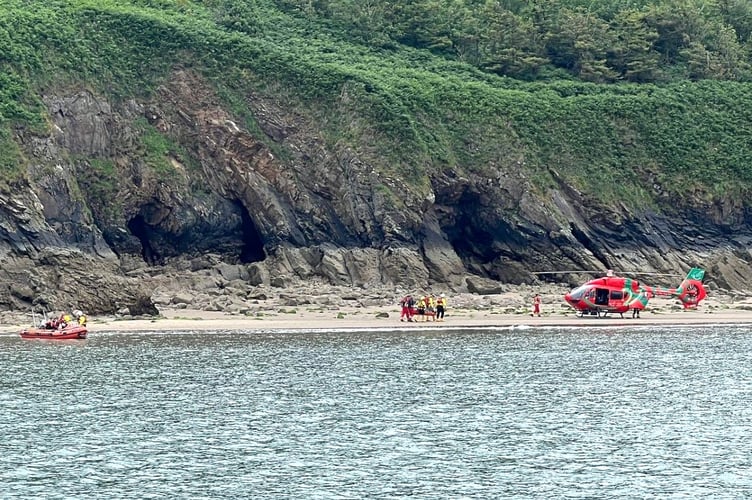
pixel 597 313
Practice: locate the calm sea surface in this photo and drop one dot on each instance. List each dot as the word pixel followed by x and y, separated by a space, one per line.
pixel 528 413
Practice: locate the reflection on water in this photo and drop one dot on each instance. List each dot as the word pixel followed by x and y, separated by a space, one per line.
pixel 449 414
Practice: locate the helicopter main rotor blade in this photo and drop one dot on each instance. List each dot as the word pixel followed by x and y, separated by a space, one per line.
pixel 569 272
pixel 656 274
pixel 639 273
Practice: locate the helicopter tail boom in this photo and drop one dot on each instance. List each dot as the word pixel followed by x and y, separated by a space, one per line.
pixel 690 292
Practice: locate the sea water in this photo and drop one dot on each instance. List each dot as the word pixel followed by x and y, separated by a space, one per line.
pixel 493 413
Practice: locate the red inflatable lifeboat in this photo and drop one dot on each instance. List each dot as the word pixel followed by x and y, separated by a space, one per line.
pixel 67 333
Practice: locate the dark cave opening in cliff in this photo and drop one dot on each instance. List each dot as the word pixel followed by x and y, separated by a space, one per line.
pixel 469 235
pixel 481 238
pixel 253 245
pixel 140 229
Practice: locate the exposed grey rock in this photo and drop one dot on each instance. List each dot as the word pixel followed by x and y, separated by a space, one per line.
pixel 482 286
pixel 258 274
pixel 227 213
pixel 161 300
pixel 22 292
pixel 404 266
pixel 257 295
pixel 232 272
pixel 333 266
pixel 143 306
pixel 279 281
pixel 182 297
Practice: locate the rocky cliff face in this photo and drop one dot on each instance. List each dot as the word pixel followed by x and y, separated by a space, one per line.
pixel 125 198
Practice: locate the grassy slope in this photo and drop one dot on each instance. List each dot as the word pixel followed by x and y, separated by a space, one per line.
pixel 407 111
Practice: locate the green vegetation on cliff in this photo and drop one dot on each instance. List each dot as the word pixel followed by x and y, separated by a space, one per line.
pixel 623 102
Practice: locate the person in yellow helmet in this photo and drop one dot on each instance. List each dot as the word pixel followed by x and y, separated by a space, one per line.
pixel 64 320
pixel 422 308
pixel 80 317
pixel 431 307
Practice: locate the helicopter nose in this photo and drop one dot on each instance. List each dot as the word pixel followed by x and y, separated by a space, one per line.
pixel 568 298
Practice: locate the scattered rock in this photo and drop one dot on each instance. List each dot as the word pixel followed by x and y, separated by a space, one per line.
pixel 483 286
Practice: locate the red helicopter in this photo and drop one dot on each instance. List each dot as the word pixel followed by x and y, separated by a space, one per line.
pixel 614 294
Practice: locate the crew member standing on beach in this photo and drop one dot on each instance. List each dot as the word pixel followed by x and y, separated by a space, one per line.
pixel 440 306
pixel 536 305
pixel 79 316
pixel 431 307
pixel 405 313
pixel 636 311
pixel 422 308
pixel 407 303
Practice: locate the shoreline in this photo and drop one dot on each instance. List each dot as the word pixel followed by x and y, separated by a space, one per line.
pixel 366 318
pixel 345 308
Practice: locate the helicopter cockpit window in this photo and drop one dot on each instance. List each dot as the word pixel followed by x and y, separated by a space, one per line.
pixel 578 292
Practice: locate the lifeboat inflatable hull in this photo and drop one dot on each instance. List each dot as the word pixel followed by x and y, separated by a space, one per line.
pixel 71 332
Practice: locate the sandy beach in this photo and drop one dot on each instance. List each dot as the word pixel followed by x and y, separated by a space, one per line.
pixel 510 309
pixel 369 318
pixel 366 318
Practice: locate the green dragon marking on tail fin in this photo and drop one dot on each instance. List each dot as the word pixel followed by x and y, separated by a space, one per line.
pixel 696 274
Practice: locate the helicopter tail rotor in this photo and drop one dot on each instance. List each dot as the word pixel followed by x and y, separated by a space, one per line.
pixel 691 291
